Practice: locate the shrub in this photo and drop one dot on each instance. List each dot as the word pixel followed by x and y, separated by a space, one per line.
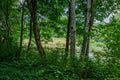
pixel 8 52
pixel 111 34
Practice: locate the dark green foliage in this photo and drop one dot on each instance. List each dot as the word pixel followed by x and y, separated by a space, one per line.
pixel 111 34
pixel 8 51
pixel 31 67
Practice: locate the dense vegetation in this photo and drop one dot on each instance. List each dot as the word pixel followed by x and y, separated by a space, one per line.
pixel 59 40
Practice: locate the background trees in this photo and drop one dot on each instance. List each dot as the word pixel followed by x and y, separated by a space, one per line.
pixel 82 25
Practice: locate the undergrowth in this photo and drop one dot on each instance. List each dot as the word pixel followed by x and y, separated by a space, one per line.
pixel 31 67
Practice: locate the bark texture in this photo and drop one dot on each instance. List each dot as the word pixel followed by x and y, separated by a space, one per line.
pixel 22 26
pixel 89 18
pixel 7 32
pixel 30 37
pixel 72 28
pixel 36 29
pixel 68 33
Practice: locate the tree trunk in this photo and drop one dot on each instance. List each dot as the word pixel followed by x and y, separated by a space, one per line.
pixel 7 30
pixel 6 22
pixel 36 29
pixel 87 28
pixel 22 25
pixel 29 6
pixel 0 39
pixel 68 34
pixel 72 29
pixel 91 22
pixel 31 28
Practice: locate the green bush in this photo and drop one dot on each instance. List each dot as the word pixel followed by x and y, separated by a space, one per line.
pixel 111 34
pixel 8 52
pixel 31 67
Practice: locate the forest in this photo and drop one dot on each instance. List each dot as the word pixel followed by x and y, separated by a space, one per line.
pixel 59 39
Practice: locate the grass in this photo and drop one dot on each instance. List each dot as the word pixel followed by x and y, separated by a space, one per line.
pixel 60 43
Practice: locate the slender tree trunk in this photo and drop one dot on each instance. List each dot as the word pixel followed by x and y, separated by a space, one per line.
pixel 29 5
pixel 6 22
pixel 31 28
pixel 0 36
pixel 91 21
pixel 87 28
pixel 7 30
pixel 22 26
pixel 36 29
pixel 72 29
pixel 68 34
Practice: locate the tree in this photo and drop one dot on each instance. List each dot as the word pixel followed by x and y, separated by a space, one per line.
pixel 72 28
pixel 89 17
pixel 67 36
pixel 36 29
pixel 32 7
pixel 29 6
pixel 22 25
pixel 5 8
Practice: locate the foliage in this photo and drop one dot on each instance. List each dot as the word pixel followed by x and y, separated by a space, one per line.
pixel 8 52
pixel 30 66
pixel 52 21
pixel 111 34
